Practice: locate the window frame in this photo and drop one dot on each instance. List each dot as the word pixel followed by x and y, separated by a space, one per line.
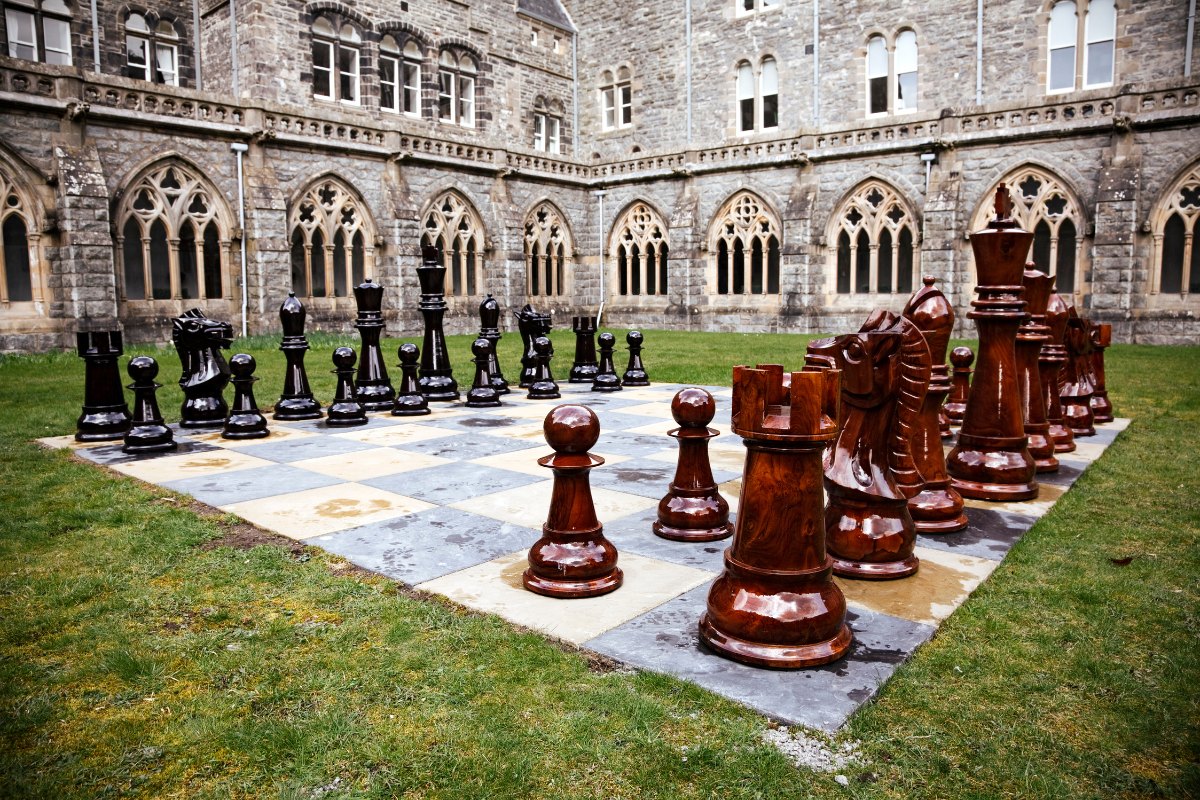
pixel 161 37
pixel 38 16
pixel 336 43
pixel 756 7
pixel 457 73
pixel 616 99
pixel 887 70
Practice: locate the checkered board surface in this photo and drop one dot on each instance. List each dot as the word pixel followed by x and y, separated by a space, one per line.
pixel 451 502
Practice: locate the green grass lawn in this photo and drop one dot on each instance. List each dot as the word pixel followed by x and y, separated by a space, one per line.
pixel 145 652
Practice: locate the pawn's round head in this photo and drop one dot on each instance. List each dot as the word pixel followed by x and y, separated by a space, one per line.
pixel 541 346
pixel 693 407
pixel 962 357
pixel 480 348
pixel 143 369
pixel 344 357
pixel 634 338
pixel 571 429
pixel 408 353
pixel 242 365
pixel 606 340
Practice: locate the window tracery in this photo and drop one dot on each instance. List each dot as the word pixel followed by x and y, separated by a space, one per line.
pixel 454 227
pixel 745 246
pixel 642 246
pixel 548 252
pixel 332 241
pixel 20 254
pixel 1176 253
pixel 874 242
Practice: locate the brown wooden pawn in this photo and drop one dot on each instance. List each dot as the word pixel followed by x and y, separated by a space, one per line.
pixel 775 604
pixel 572 559
pixel 245 421
pixel 543 386
pixel 1075 381
pixel 482 394
pixel 1033 334
pixel 410 402
pixel 693 509
pixel 938 508
pixel 960 384
pixel 1102 410
pixel 147 433
pixel 1051 362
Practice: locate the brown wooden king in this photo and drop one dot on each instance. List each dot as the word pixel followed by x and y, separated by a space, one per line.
pixel 991 460
pixel 938 508
pixel 775 604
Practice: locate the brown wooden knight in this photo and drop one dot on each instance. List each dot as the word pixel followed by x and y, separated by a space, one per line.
pixel 1075 381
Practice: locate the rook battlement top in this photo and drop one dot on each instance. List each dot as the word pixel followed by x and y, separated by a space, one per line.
pixel 766 407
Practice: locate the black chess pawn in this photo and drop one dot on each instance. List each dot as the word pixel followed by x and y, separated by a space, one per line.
pixel 635 372
pixel 148 433
pixel 606 379
pixel 543 386
pixel 345 411
pixel 297 401
pixel 409 400
pixel 483 394
pixel 585 367
pixel 105 415
pixel 489 328
pixel 245 421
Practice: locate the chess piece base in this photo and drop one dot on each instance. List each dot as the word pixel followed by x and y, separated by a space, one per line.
pixel 438 388
pixel 875 570
pixel 412 408
pixel 203 412
pixel 103 424
pixel 1064 440
pixel 583 374
pixel 609 383
pixel 992 468
pixel 775 656
pixel 937 511
pixel 942 526
pixel 375 397
pixel 543 390
pixel 200 424
pixel 297 408
pixel 150 439
pixel 593 587
pixel 245 426
pixel 484 397
pixel 1000 492
pixel 1041 448
pixel 1102 410
pixel 693 534
pixel 635 378
pixel 345 417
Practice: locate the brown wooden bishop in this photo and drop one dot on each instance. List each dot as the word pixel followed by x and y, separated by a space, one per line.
pixel 1102 409
pixel 1033 334
pixel 1051 361
pixel 693 510
pixel 775 604
pixel 991 460
pixel 572 559
pixel 938 508
pixel 870 474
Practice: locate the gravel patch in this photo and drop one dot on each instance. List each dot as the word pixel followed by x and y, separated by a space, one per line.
pixel 812 751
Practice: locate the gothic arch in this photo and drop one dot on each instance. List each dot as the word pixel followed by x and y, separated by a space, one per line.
pixel 1046 205
pixel 549 251
pixel 640 242
pixel 744 242
pixel 332 235
pixel 1174 223
pixel 23 269
pixel 873 242
pixel 828 202
pixel 451 223
pixel 173 234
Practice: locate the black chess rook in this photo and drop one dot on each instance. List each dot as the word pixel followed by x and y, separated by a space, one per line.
pixel 373 388
pixel 105 415
pixel 585 367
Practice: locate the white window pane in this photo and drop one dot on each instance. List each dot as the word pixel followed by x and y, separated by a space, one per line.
pixel 1062 25
pixel 1101 20
pixel 56 7
pixel 626 105
pixel 745 82
pixel 387 83
pixel 21 40
pixel 323 27
pixel 877 60
pixel 552 133
pixel 348 69
pixel 322 69
pixel 906 52
pixel 466 101
pixel 137 57
pixel 136 22
pixel 770 111
pixel 906 91
pixel 608 103
pixel 164 62
pixel 770 77
pixel 1100 63
pixel 446 96
pixel 58 40
pixel 412 88
pixel 1062 69
pixel 539 131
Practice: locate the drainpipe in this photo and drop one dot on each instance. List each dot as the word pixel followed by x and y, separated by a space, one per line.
pixel 196 39
pixel 979 52
pixel 233 46
pixel 1191 34
pixel 240 149
pixel 600 230
pixel 575 94
pixel 687 36
pixel 816 63
pixel 95 38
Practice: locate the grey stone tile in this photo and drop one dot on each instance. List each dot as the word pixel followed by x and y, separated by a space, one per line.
pixel 374 419
pixel 991 534
pixel 466 446
pixel 666 640
pixel 426 545
pixel 449 483
pixel 632 533
pixel 630 444
pixel 112 453
pixel 250 484
pixel 301 448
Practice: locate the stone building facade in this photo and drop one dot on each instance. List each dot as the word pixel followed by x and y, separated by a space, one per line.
pixel 742 165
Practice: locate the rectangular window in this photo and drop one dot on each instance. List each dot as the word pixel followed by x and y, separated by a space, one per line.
pixel 771 111
pixel 165 70
pixel 769 86
pixel 626 105
pixel 1100 29
pixel 1099 63
pixel 466 101
pixel 877 76
pixel 58 40
pixel 412 88
pixel 553 124
pixel 1062 69
pixel 22 40
pixel 539 131
pixel 323 69
pixel 446 96
pixel 387 83
pixel 348 74
pixel 906 91
pixel 137 58
pixel 608 106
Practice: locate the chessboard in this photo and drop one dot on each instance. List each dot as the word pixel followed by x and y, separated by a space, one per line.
pixel 451 502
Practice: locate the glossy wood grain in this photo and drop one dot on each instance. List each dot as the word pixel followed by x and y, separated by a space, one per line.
pixel 1051 362
pixel 961 359
pixel 1075 381
pixel 693 509
pixel 1102 409
pixel 1031 337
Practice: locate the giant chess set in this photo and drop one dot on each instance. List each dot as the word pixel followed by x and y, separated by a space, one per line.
pixel 786 542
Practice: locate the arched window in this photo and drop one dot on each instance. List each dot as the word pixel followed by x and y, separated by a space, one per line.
pixel 757 96
pixel 547 253
pixel 892 74
pixel 744 240
pixel 1043 204
pixel 151 53
pixel 642 250
pixel 547 125
pixel 456 88
pixel 19 255
pixel 877 75
pixel 39 30
pixel 1177 256
pixel 1096 37
pixel 452 225
pixel 616 99
pixel 173 237
pixel 400 76
pixel 1100 33
pixel 1061 35
pixel 336 47
pixel 906 71
pixel 333 241
pixel 874 247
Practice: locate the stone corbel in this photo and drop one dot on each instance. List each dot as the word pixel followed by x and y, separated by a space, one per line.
pixel 1123 123
pixel 76 110
pixel 262 134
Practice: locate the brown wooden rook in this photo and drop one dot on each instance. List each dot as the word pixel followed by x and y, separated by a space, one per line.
pixel 938 508
pixel 572 559
pixel 991 460
pixel 105 416
pixel 870 474
pixel 635 371
pixel 960 384
pixel 345 410
pixel 245 421
pixel 1033 334
pixel 693 509
pixel 409 400
pixel 775 604
pixel 1102 410
pixel 482 394
pixel 148 433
